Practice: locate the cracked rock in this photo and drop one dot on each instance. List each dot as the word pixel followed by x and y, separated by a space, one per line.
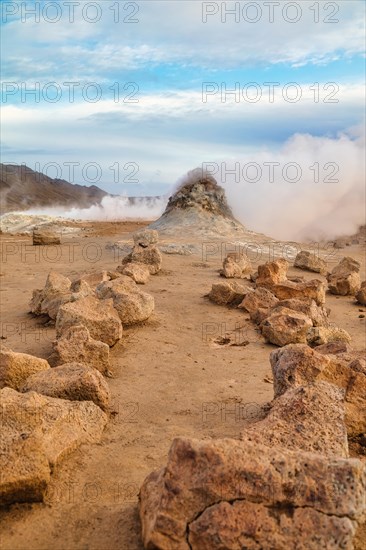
pixel 229 494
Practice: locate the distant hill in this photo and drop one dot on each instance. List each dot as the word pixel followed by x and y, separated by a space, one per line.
pixel 21 189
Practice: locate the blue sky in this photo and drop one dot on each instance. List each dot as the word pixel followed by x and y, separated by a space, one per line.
pixel 168 53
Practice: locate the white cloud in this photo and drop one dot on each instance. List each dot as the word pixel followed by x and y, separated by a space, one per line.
pixel 173 32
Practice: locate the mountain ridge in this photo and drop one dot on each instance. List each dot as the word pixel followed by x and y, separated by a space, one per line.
pixel 22 188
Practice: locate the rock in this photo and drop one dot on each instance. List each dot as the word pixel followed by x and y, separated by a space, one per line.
pixel 150 256
pixel 48 300
pixel 80 289
pixel 334 348
pixel 224 523
pixel 57 291
pixel 310 290
pixel 122 283
pixel 113 275
pixel 45 236
pixel 310 262
pixel 344 279
pixel 361 294
pixel 236 266
pixel 146 237
pixel 296 365
pixel 98 316
pixel 180 249
pixel 37 432
pixel 72 381
pixel 358 365
pixel 308 418
pixel 254 276
pixel 296 279
pixel 286 326
pixel 345 375
pixel 76 345
pixel 318 336
pixel 318 314
pixel 132 305
pixel 355 404
pixel 227 293
pixel 138 272
pixel 215 494
pixel 258 303
pixel 92 279
pixel 272 273
pixel 15 367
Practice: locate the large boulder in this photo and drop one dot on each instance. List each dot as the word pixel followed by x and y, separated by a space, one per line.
pixel 318 336
pixel 286 326
pixel 361 294
pixel 76 345
pixel 37 432
pixel 73 381
pixel 48 300
pixel 309 290
pixel 139 273
pixel 296 365
pixel 310 262
pixel 307 418
pixel 57 291
pixel 229 494
pixel 15 367
pixel 228 293
pixel 345 279
pixel 150 256
pixel 318 314
pixel 98 316
pixel 300 366
pixel 132 305
pixel 236 265
pixel 258 303
pixel 272 273
pixel 43 236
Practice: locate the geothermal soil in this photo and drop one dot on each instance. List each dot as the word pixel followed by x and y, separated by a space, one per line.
pixel 171 377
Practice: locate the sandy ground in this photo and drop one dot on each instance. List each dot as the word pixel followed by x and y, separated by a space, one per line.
pixel 170 379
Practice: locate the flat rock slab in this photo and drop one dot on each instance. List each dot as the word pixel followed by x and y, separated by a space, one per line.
pixel 37 432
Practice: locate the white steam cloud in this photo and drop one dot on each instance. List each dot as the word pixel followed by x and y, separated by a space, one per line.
pixel 110 209
pixel 327 201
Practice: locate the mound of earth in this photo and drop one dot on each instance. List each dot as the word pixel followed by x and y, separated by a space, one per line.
pixel 198 206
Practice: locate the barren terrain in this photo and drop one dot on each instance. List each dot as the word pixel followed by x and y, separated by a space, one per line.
pixel 170 378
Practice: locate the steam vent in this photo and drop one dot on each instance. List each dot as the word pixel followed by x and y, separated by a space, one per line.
pixel 199 206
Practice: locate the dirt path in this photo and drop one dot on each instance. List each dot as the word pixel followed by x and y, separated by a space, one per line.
pixel 170 379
